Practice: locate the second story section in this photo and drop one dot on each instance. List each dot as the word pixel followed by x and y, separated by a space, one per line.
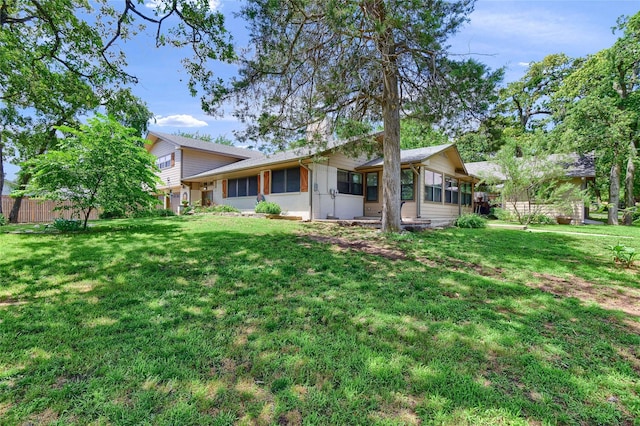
pixel 178 156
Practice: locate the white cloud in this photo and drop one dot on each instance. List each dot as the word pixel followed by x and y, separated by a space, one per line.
pixel 159 4
pixel 179 120
pixel 524 64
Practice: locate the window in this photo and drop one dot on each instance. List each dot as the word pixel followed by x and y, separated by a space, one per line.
pixel 349 182
pixel 372 186
pixel 164 162
pixel 451 190
pixel 432 186
pixel 287 180
pixel 242 187
pixel 465 193
pixel 406 185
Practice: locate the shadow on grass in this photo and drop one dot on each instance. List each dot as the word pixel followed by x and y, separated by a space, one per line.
pixel 200 326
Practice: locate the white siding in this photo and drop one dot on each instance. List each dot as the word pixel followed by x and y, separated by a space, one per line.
pixel 171 174
pixel 324 183
pixel 439 211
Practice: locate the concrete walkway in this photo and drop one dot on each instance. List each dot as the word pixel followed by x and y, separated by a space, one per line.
pixel 552 231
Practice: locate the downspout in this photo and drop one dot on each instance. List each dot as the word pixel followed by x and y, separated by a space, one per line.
pixel 310 188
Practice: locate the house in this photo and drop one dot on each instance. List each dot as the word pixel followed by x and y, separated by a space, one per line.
pixel 327 183
pixel 579 170
pixel 178 157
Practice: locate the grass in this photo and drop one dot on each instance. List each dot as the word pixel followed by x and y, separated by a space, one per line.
pixel 225 320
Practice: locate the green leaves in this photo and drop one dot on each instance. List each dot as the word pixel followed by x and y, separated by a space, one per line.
pixel 101 165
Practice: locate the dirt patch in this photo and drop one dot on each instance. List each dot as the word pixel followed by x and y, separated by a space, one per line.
pixel 620 298
pixel 369 247
pixel 624 299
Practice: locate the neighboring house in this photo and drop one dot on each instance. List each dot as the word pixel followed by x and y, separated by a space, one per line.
pixel 580 170
pixel 179 157
pixel 321 183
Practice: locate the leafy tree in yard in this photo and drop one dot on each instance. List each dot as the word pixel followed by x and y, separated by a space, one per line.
pixel 355 60
pixel 101 165
pixel 532 181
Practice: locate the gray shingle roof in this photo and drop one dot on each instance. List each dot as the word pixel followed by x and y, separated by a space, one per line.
pixel 269 159
pixel 576 165
pixel 231 151
pixel 481 169
pixel 411 155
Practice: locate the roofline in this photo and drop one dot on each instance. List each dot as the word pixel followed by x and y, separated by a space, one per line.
pixel 214 172
pixel 178 145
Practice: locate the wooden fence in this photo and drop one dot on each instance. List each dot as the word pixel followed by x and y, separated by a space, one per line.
pixel 33 211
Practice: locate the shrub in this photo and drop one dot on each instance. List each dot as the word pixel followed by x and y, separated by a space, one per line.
pixel 153 213
pixel 223 208
pixel 623 254
pixel 67 225
pixel 3 220
pixel 502 214
pixel 539 219
pixel 218 208
pixel 112 214
pixel 268 207
pixel 471 220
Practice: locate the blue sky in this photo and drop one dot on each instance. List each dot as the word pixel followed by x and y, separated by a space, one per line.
pixel 500 33
pixel 508 33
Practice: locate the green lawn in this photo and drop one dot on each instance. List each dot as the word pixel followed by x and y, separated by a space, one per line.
pixel 224 320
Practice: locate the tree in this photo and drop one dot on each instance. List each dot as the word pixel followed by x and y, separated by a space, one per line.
pixel 416 134
pixel 220 139
pixel 61 59
pixel 602 99
pixel 101 165
pixel 354 60
pixel 528 101
pixel 530 180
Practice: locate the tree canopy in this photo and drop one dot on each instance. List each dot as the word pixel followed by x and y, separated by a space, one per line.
pixel 601 111
pixel 63 59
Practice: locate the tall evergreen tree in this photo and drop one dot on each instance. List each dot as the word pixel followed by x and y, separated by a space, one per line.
pixel 362 60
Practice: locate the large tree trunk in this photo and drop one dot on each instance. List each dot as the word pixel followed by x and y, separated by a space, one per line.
pixel 17 202
pixel 391 220
pixel 614 194
pixel 628 184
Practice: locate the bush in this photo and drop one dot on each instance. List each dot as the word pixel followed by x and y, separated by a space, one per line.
pixel 153 213
pixel 539 219
pixel 268 207
pixel 223 208
pixel 623 254
pixel 67 225
pixel 471 220
pixel 218 208
pixel 502 214
pixel 113 214
pixel 3 220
